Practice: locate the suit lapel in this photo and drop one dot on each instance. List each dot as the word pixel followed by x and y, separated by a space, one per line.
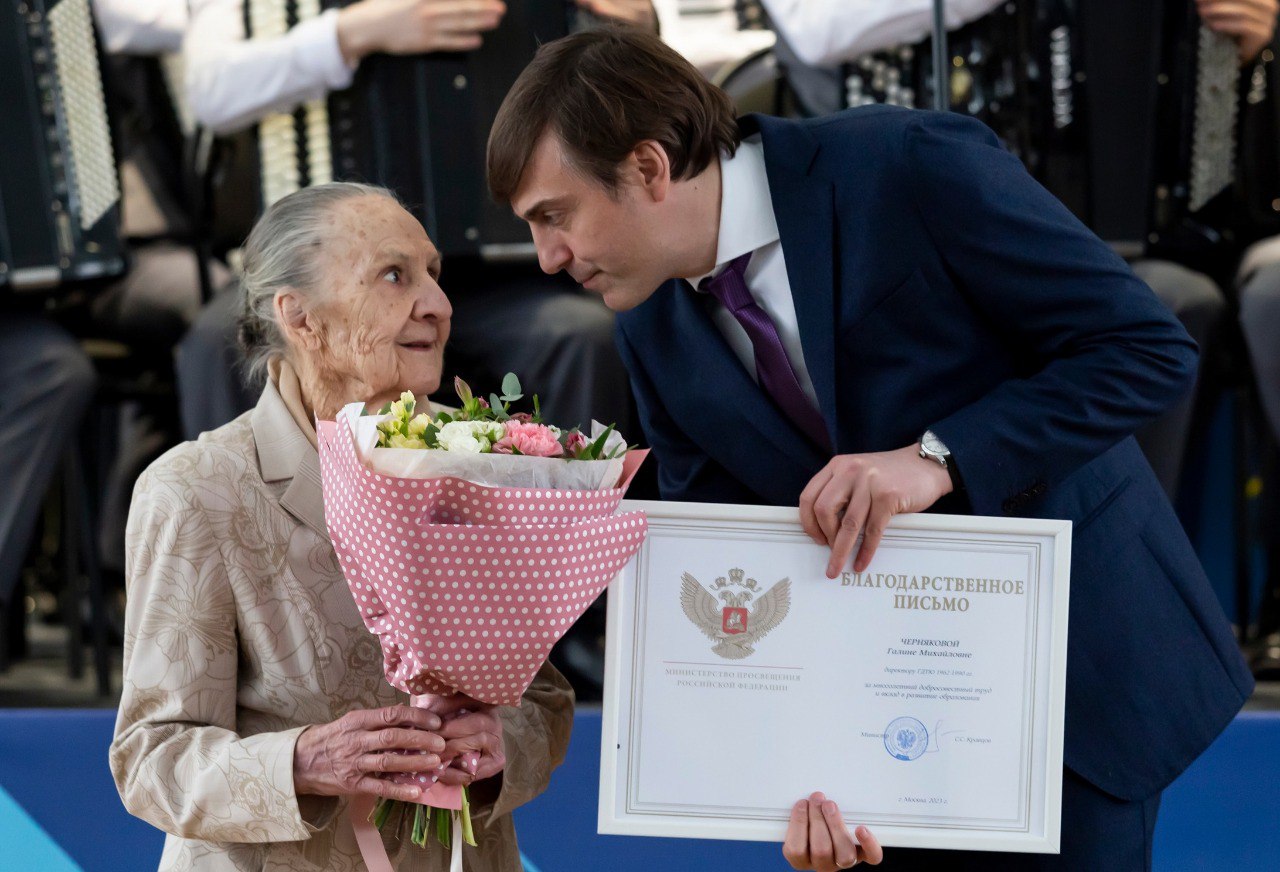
pixel 304 498
pixel 285 453
pixel 804 208
pixel 763 440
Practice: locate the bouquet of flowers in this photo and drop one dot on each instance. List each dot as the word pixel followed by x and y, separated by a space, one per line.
pixel 471 539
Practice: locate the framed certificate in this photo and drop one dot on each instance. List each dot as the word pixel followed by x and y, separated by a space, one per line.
pixel 924 695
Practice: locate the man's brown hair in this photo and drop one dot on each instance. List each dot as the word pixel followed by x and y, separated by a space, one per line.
pixel 602 92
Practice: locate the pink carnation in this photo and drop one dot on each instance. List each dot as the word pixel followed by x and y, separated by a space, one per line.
pixel 535 440
pixel 575 442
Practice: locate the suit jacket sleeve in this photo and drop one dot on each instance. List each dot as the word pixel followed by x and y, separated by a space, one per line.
pixel 685 471
pixel 1108 356
pixel 177 759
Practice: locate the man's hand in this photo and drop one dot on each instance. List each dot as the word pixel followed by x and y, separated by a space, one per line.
pixel 817 838
pixel 350 755
pixel 637 12
pixel 414 26
pixel 1252 23
pixel 859 493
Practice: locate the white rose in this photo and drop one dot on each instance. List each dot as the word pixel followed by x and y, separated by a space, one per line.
pixel 468 436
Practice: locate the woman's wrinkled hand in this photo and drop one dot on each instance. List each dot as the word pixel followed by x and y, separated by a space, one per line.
pixel 818 839
pixel 479 732
pixel 352 754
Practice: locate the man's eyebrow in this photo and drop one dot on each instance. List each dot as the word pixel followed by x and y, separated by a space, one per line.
pixel 539 207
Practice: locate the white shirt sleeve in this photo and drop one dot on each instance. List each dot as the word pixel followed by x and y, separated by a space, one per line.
pixel 141 27
pixel 233 82
pixel 824 33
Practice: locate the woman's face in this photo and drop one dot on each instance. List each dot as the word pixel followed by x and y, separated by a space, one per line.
pixel 380 321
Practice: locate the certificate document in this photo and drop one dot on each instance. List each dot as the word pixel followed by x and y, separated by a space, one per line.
pixel 924 695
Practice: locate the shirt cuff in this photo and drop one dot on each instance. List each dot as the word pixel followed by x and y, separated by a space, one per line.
pixel 316 50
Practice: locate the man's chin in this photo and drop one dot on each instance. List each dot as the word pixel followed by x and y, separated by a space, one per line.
pixel 617 301
pixel 623 299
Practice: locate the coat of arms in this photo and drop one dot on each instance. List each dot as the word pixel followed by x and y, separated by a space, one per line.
pixel 732 626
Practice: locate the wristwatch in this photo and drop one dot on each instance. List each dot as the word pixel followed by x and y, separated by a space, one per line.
pixel 933 448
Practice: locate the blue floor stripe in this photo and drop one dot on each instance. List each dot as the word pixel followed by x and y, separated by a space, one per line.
pixel 26 845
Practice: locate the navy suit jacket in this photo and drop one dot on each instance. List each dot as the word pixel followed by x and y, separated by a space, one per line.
pixel 937 286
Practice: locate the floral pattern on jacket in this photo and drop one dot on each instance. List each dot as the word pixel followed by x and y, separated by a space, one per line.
pixel 240 632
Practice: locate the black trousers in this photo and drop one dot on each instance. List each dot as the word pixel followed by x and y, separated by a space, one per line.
pixel 1099 834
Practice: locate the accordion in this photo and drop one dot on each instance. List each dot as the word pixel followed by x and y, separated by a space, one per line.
pixel 417 125
pixel 59 192
pixel 1125 111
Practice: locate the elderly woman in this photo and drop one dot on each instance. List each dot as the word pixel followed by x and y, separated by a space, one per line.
pixel 254 704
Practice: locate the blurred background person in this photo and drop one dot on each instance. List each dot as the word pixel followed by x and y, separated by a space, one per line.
pixel 832 55
pixel 153 305
pixel 509 317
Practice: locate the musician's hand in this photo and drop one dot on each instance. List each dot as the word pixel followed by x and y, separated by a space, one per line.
pixel 414 26
pixel 818 839
pixel 1252 23
pixel 638 12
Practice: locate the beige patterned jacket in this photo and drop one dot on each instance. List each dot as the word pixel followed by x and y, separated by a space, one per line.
pixel 240 631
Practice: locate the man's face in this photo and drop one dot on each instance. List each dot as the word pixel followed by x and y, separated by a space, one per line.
pixel 608 241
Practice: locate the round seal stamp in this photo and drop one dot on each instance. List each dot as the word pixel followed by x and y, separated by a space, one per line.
pixel 906 738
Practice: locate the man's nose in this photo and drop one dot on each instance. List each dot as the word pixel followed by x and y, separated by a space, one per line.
pixel 553 255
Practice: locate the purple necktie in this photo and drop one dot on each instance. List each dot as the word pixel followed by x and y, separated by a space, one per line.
pixel 773 368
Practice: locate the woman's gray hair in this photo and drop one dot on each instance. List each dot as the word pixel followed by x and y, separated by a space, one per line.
pixel 281 253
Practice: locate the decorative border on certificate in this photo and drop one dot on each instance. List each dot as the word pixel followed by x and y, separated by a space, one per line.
pixel 728 649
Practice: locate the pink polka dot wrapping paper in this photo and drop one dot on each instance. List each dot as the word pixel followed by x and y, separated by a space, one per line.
pixel 467 586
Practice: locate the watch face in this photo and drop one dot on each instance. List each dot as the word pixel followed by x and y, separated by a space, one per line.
pixel 933 444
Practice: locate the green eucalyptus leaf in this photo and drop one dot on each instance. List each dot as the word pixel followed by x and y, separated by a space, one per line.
pixel 511 387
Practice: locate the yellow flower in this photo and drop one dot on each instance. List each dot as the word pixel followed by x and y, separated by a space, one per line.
pixel 400 441
pixel 397 411
pixel 419 424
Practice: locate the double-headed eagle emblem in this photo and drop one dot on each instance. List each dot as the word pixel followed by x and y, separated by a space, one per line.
pixel 732 627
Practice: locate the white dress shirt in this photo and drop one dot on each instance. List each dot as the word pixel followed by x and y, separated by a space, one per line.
pixel 141 27
pixel 232 82
pixel 824 33
pixel 747 223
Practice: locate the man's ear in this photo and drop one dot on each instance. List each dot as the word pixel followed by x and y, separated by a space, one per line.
pixel 652 166
pixel 294 319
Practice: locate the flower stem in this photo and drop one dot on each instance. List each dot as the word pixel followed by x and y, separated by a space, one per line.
pixel 419 836
pixel 468 835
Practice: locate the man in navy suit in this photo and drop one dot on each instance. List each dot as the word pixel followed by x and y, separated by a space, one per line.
pixel 879 312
